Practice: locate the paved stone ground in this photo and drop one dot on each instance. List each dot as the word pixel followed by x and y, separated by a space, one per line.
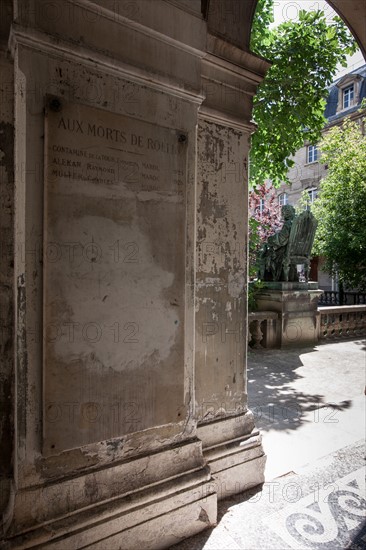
pixel 310 407
pixel 307 403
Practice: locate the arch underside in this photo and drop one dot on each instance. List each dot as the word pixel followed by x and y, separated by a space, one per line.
pixel 232 20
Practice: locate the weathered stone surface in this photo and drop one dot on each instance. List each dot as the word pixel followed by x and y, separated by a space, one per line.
pixel 221 273
pixel 113 500
pixel 233 450
pixel 132 125
pixel 114 276
pixel 6 276
pixel 297 309
pixel 225 425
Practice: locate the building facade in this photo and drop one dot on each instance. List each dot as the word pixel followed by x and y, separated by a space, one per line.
pixel 344 100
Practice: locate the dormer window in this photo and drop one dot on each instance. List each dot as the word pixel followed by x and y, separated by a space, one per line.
pixel 349 88
pixel 348 96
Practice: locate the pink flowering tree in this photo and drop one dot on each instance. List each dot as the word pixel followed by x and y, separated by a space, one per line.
pixel 264 220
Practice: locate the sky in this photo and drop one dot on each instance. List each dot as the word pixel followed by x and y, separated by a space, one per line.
pixel 287 10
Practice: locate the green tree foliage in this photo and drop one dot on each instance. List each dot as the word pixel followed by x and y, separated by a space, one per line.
pixel 304 202
pixel 341 205
pixel 262 35
pixel 290 102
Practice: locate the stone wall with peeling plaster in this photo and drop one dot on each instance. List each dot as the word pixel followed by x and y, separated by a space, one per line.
pixel 75 477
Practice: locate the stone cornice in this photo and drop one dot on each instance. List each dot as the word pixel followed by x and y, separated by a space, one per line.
pixel 230 68
pixel 97 9
pixel 45 43
pixel 225 119
pixel 246 64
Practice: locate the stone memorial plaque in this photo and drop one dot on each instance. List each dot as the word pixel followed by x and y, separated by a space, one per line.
pixel 114 275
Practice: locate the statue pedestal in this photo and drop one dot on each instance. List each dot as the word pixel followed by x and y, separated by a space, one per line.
pixel 297 308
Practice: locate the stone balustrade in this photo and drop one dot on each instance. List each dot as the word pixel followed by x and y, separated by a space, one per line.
pixel 334 323
pixel 342 322
pixel 262 327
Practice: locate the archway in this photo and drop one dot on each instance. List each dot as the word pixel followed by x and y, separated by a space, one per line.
pixel 193 79
pixel 232 20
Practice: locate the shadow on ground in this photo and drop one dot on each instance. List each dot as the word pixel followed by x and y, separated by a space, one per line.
pixel 275 381
pixel 197 542
pixel 272 395
pixel 361 343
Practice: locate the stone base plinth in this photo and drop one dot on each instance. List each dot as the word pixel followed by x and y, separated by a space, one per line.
pixel 233 450
pixel 296 305
pixel 90 512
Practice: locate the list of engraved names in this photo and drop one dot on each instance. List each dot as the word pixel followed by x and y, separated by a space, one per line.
pixel 112 156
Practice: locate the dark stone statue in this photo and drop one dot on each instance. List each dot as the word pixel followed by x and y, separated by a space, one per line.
pixel 291 245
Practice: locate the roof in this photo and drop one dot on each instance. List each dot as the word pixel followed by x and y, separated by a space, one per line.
pixel 332 101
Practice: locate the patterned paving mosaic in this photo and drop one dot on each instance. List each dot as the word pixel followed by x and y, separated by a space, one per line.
pixel 328 518
pixel 322 508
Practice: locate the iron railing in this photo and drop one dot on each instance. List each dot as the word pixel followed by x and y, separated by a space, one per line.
pixel 335 298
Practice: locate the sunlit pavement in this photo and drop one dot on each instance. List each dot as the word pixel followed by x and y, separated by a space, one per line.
pixel 310 407
pixel 307 403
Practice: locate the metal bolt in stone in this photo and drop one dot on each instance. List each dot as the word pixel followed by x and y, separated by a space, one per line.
pixel 55 104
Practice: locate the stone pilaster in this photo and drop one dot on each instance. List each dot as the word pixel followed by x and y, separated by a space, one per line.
pixel 231 443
